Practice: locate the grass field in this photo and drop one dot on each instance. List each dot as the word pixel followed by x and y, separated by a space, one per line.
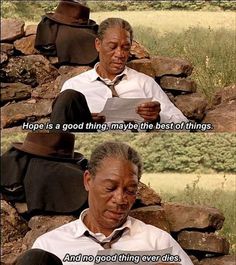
pixel 176 182
pixel 173 21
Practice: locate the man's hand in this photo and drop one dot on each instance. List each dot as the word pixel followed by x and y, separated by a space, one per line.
pixel 149 110
pixel 98 119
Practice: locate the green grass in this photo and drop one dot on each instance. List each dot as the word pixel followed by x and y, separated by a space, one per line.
pixel 214 190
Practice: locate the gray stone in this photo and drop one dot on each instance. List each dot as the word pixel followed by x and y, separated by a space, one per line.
pixel 178 84
pixel 142 65
pixel 138 51
pixel 7 48
pixel 31 69
pixel 147 196
pixel 222 117
pixel 171 66
pixel 26 45
pixel 14 227
pixel 223 260
pixel 224 95
pixel 31 110
pixel 183 216
pixel 31 30
pixel 153 215
pixel 192 105
pixel 14 91
pixel 204 242
pixel 11 29
pixel 47 91
pixel 68 72
pixel 4 58
pixel 42 224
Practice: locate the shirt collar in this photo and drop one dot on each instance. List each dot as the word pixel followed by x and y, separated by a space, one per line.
pixel 81 227
pixel 95 75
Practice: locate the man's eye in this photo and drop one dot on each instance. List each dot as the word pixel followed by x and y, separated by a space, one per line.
pixel 132 191
pixel 127 48
pixel 112 47
pixel 110 188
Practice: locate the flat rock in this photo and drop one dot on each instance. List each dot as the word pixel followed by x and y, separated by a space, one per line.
pixel 194 260
pixel 42 224
pixel 68 72
pixel 192 105
pixel 3 58
pixel 147 196
pixel 178 84
pixel 11 29
pixel 14 91
pixel 225 94
pixel 31 30
pixel 153 215
pixel 73 70
pixel 14 227
pixel 138 51
pixel 183 216
pixel 143 66
pixel 223 260
pixel 171 66
pixel 31 69
pixel 7 48
pixel 26 45
pixel 205 242
pixel 222 117
pixel 48 90
pixel 31 110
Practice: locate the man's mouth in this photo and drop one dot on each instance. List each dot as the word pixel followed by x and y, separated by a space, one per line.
pixel 116 214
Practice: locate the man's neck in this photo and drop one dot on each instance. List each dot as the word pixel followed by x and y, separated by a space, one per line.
pixel 104 74
pixel 93 227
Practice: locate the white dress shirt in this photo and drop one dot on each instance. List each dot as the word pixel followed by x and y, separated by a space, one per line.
pixel 133 85
pixel 138 236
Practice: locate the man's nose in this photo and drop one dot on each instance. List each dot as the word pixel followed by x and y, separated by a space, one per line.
pixel 119 52
pixel 120 197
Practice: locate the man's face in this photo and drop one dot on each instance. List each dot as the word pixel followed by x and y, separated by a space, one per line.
pixel 112 192
pixel 113 51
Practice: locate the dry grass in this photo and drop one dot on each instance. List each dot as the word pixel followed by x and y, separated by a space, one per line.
pixel 175 182
pixel 173 21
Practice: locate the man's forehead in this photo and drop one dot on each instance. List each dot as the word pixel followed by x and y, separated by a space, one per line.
pixel 115 32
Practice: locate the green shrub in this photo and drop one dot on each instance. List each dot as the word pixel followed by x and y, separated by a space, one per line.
pixel 212 53
pixel 165 152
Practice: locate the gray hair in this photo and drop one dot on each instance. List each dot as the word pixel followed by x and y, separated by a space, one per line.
pixel 114 150
pixel 114 22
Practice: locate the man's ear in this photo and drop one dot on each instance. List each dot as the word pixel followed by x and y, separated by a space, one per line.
pixel 87 180
pixel 97 44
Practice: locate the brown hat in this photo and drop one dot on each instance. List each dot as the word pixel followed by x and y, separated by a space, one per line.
pixel 72 13
pixel 50 145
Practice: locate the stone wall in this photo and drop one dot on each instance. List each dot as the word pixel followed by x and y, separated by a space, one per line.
pixel 30 81
pixel 194 227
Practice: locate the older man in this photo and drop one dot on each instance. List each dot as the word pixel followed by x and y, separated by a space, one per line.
pixel 112 182
pixel 83 97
